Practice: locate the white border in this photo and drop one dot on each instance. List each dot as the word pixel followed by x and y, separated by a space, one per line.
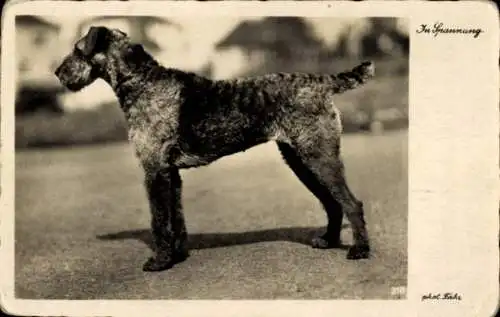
pixel 453 160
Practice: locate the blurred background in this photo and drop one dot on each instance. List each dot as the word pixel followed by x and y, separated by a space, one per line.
pixel 49 115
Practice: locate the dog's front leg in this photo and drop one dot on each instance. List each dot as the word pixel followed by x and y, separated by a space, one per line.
pixel 168 226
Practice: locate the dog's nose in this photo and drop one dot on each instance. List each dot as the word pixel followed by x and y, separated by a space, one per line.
pixel 57 71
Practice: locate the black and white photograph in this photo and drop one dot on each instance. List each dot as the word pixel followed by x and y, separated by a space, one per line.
pixel 225 156
pixel 256 183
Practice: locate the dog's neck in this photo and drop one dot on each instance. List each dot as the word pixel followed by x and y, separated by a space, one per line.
pixel 132 75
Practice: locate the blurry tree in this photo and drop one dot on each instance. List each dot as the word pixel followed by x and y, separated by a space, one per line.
pixel 382 38
pixel 385 39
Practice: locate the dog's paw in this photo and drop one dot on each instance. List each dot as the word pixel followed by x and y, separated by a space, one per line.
pixel 157 263
pixel 357 252
pixel 320 242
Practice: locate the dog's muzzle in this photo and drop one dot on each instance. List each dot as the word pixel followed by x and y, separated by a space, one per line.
pixel 58 72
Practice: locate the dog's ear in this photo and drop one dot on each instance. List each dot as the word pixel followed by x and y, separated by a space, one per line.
pixel 95 39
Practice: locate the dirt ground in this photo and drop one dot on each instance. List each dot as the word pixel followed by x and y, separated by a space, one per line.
pixel 82 227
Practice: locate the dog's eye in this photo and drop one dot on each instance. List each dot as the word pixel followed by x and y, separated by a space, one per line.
pixel 77 51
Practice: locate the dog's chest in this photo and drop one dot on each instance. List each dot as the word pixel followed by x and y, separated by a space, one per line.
pixel 152 134
pixel 156 153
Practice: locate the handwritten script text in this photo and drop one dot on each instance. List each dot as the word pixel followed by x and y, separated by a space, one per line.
pixel 439 28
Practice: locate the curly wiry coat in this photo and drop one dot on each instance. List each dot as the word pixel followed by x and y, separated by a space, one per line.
pixel 181 120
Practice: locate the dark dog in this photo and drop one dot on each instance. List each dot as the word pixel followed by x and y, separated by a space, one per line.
pixel 181 120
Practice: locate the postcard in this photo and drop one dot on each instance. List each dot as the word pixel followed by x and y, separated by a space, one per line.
pixel 181 158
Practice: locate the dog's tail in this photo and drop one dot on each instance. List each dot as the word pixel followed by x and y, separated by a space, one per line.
pixel 354 78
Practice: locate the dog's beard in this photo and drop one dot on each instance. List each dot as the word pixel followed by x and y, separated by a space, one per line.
pixel 78 85
pixel 74 87
pixel 75 74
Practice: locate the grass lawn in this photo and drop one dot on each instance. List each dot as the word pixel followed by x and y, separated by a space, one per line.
pixel 82 226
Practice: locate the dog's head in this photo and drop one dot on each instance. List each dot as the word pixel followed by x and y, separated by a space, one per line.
pixel 91 56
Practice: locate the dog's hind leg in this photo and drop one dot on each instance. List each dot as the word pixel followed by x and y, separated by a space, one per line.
pixel 321 170
pixel 168 226
pixel 331 238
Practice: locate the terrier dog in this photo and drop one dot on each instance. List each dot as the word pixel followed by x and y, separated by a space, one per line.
pixel 180 120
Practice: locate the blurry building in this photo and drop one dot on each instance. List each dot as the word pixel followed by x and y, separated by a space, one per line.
pixel 33 34
pixel 253 44
pixel 36 83
pixel 283 36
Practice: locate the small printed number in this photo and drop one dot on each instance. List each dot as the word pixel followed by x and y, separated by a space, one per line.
pixel 398 291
